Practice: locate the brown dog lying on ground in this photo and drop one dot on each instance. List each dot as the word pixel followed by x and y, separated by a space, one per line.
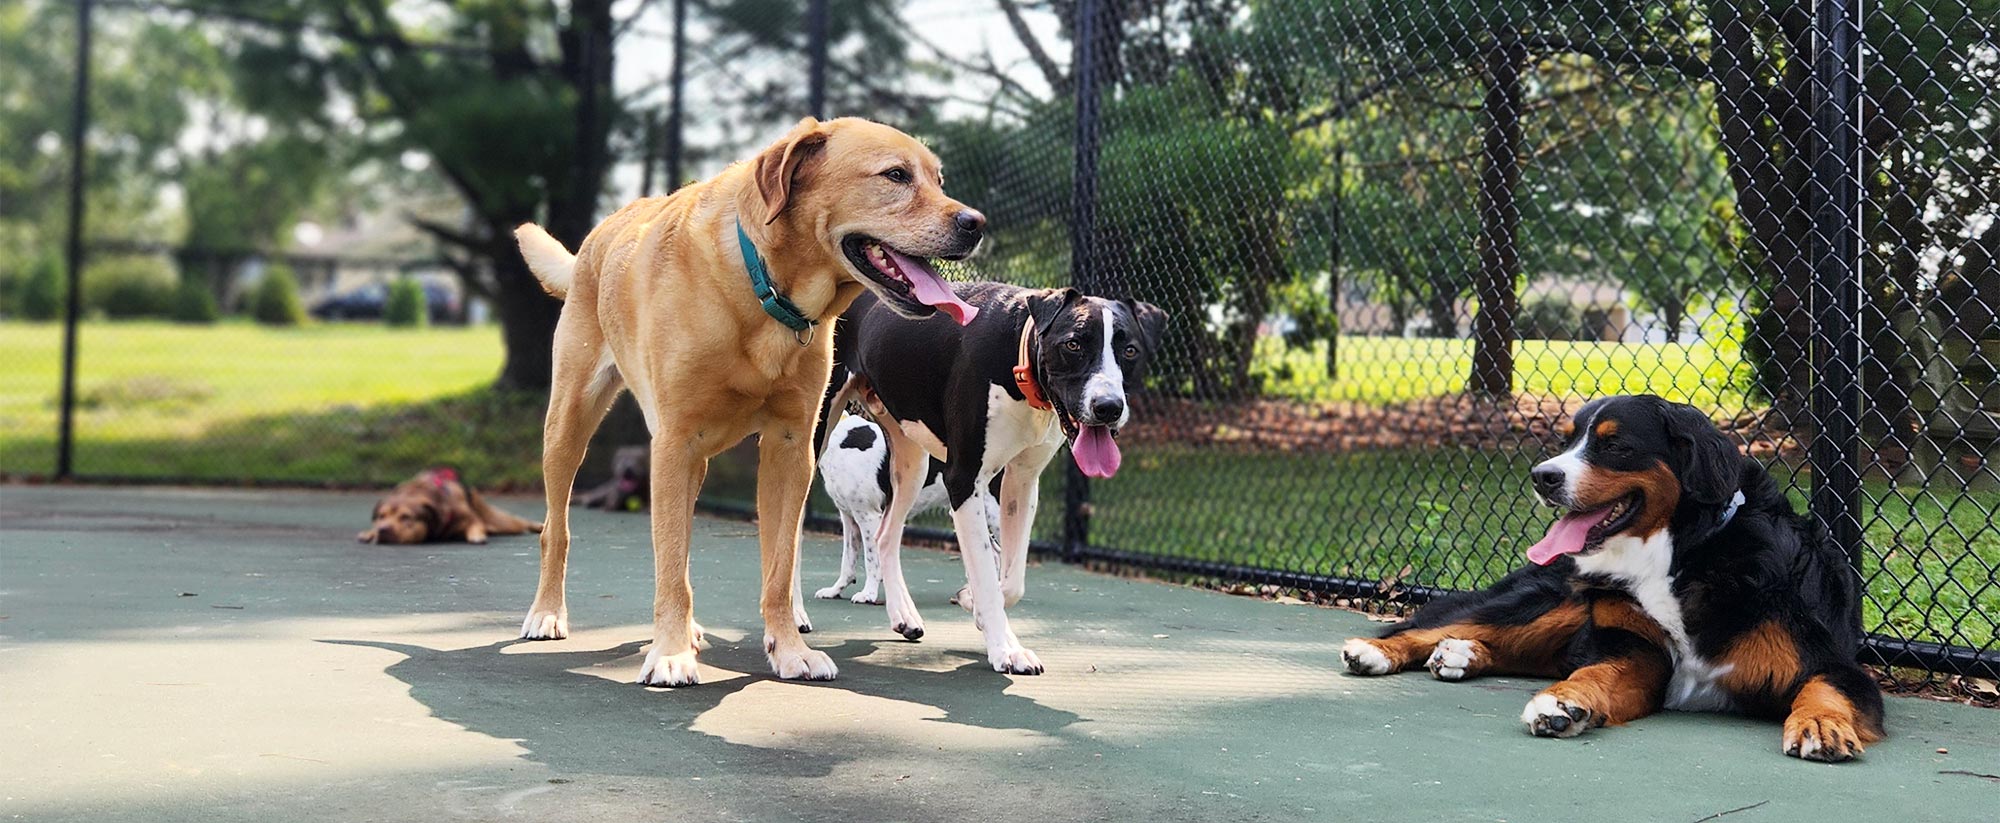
pixel 629 486
pixel 713 305
pixel 434 507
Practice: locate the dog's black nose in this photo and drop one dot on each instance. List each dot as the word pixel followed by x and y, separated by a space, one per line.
pixel 1548 480
pixel 1107 409
pixel 971 222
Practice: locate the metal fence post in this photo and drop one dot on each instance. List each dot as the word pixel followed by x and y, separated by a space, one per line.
pixel 816 54
pixel 1082 239
pixel 79 124
pixel 1836 255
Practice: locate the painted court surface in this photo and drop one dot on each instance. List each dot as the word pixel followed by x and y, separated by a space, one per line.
pixel 178 655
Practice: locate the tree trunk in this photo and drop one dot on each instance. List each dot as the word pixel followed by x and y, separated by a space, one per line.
pixel 527 323
pixel 527 313
pixel 1442 309
pixel 1764 127
pixel 1673 312
pixel 1499 221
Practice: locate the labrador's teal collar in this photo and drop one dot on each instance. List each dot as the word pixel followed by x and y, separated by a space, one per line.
pixel 779 307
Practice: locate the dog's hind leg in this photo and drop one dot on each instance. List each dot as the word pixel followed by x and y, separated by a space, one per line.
pixel 580 394
pixel 497 521
pixel 907 465
pixel 871 560
pixel 850 545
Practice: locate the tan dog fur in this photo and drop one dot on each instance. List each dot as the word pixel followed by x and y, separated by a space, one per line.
pixel 658 301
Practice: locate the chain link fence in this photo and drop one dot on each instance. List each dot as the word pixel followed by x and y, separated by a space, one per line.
pixel 1400 240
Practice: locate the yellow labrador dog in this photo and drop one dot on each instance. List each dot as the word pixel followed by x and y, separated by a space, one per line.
pixel 713 306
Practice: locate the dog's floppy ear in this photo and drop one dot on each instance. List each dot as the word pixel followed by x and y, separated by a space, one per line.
pixel 1152 323
pixel 1046 306
pixel 1706 461
pixel 777 167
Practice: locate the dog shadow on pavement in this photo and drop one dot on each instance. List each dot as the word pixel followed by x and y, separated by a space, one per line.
pixel 573 720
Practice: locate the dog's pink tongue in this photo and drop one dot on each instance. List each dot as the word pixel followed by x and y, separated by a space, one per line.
pixel 1095 452
pixel 1565 537
pixel 930 289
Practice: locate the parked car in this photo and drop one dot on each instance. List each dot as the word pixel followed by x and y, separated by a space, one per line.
pixel 367 302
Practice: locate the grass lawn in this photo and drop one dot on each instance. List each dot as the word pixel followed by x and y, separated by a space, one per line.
pixel 362 404
pixel 1461 519
pixel 1395 370
pixel 327 402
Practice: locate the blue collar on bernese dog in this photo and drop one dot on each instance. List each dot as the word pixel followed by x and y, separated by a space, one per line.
pixel 1676 575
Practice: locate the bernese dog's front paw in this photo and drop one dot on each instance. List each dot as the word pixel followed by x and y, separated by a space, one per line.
pixel 1827 738
pixel 1455 659
pixel 1365 658
pixel 1548 716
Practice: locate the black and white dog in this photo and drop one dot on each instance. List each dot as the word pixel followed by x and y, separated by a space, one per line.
pixel 854 468
pixel 998 396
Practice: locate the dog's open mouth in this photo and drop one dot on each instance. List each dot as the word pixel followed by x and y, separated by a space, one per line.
pixel 1094 447
pixel 1583 532
pixel 909 281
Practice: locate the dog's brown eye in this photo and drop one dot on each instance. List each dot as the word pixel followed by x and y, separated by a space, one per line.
pixel 898 175
pixel 1131 352
pixel 1072 346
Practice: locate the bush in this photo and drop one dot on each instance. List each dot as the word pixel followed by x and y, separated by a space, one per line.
pixel 1550 318
pixel 128 286
pixel 276 302
pixel 42 295
pixel 193 303
pixel 407 306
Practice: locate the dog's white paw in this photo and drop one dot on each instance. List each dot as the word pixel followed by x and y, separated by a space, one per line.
pixel 904 620
pixel 669 669
pixel 545 624
pixel 829 593
pixel 963 599
pixel 1362 657
pixel 800 619
pixel 868 596
pixel 799 664
pixel 1452 658
pixel 1012 659
pixel 1546 716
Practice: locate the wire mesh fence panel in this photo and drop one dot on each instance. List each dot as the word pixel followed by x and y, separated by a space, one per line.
pixel 1400 241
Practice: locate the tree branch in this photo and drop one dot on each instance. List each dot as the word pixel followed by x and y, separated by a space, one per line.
pixel 1339 108
pixel 448 235
pixel 1054 75
pixel 1688 65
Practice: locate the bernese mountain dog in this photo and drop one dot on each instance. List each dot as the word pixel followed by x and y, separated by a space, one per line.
pixel 1676 576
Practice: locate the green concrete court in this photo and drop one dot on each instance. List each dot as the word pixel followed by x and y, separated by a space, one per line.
pixel 199 655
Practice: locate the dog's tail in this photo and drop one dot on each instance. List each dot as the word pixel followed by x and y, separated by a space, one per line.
pixel 551 263
pixel 840 391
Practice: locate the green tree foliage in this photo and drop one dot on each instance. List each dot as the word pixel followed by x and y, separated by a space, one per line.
pixel 128 286
pixel 42 292
pixel 276 300
pixel 407 306
pixel 193 303
pixel 511 100
pixel 145 73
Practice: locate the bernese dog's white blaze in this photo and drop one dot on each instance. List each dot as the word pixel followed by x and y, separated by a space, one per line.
pixel 1675 576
